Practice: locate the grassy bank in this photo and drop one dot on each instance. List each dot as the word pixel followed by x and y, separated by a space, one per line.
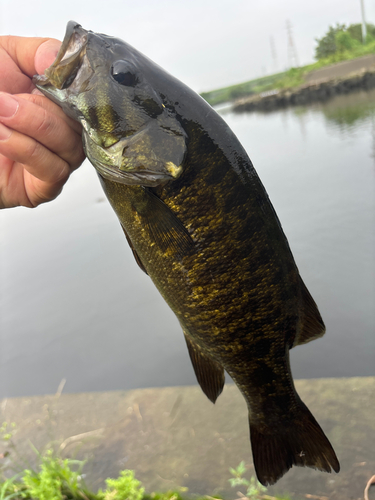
pixel 288 79
pixel 233 92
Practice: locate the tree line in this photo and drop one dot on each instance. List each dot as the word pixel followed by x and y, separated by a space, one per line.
pixel 341 37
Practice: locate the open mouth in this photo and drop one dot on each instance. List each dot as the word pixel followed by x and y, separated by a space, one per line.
pixel 68 61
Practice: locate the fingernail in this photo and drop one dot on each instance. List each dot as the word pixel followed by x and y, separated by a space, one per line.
pixel 8 106
pixel 4 132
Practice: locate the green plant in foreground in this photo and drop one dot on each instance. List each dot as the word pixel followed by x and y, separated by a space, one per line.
pixel 9 489
pixel 55 480
pixel 7 430
pixel 126 487
pixel 254 488
pixel 61 479
pixel 169 495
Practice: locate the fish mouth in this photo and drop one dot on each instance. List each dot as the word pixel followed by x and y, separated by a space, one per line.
pixel 63 71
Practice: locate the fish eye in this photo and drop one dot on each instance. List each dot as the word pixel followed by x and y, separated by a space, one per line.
pixel 123 73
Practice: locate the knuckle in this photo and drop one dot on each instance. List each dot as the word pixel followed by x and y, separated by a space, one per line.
pixel 32 150
pixel 79 157
pixel 63 175
pixel 75 155
pixel 45 123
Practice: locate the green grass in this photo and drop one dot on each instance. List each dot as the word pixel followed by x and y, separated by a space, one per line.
pixel 247 88
pixel 288 79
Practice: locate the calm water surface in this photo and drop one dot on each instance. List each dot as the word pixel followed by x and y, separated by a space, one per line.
pixel 75 306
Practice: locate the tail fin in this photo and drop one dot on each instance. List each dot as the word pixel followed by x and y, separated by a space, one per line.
pixel 301 443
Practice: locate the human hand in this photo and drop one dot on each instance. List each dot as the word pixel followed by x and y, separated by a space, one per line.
pixel 39 145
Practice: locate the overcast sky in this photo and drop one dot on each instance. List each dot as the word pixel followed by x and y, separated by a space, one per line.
pixel 206 44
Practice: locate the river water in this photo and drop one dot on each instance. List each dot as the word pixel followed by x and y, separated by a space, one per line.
pixel 75 306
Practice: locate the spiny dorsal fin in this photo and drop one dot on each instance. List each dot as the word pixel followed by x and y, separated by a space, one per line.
pixel 136 256
pixel 312 326
pixel 209 373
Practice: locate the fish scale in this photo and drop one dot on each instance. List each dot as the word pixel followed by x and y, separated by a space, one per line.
pixel 201 225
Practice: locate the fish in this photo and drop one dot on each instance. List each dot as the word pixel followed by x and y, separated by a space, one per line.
pixel 201 225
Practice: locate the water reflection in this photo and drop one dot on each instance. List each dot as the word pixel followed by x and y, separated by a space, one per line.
pixel 348 112
pixel 345 113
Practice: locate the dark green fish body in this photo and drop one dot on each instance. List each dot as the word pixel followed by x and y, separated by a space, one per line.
pixel 201 225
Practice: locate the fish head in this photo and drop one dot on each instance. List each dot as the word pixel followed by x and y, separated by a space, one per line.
pixel 129 134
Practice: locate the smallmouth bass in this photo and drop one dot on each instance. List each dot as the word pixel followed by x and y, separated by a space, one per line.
pixel 201 225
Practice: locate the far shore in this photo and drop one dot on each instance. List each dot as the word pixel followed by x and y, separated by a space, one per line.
pixel 315 91
pixel 320 85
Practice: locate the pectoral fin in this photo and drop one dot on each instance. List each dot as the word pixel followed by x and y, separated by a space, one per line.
pixel 163 226
pixel 209 373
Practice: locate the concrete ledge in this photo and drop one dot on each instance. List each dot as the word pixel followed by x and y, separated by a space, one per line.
pixel 175 437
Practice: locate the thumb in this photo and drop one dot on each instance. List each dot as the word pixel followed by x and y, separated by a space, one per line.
pixel 46 54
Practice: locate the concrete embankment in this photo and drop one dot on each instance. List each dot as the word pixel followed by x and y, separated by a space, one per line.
pixel 341 78
pixel 174 437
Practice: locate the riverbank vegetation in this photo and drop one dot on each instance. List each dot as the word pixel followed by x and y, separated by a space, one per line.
pixel 57 478
pixel 62 479
pixel 340 43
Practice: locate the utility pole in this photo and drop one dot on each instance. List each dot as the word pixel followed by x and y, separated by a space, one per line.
pixel 292 52
pixel 274 55
pixel 364 30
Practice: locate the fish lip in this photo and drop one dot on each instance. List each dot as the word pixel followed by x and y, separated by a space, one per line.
pixel 68 58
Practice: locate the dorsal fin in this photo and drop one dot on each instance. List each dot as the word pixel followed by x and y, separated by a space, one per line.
pixel 209 373
pixel 312 326
pixel 136 256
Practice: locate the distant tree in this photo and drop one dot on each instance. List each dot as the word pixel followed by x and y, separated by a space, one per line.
pixel 342 37
pixel 327 44
pixel 355 31
pixel 344 41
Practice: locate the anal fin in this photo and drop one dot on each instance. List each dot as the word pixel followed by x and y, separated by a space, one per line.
pixel 312 326
pixel 209 373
